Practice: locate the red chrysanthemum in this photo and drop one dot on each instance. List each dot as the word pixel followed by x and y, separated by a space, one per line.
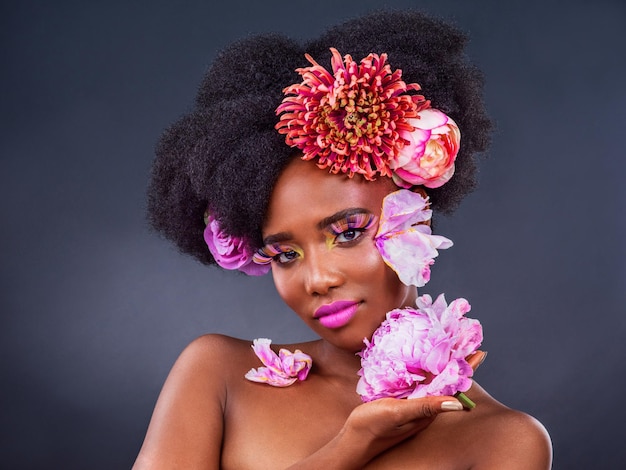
pixel 350 120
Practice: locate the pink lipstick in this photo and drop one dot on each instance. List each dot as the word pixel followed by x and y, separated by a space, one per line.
pixel 336 314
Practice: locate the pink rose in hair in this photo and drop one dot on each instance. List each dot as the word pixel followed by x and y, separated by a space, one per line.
pixel 420 352
pixel 428 158
pixel 231 252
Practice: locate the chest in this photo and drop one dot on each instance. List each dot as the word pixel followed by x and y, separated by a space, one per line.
pixel 267 427
pixel 270 427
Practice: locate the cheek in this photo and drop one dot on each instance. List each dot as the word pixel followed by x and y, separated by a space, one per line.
pixel 286 286
pixel 387 284
pixel 398 292
pixel 279 281
pixel 369 269
pixel 362 265
pixel 370 262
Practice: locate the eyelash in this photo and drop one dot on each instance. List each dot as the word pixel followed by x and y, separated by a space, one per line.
pixel 353 223
pixel 273 252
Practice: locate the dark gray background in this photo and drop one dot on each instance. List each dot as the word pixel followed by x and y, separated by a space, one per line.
pixel 95 308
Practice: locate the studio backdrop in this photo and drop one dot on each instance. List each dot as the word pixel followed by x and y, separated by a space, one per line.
pixel 95 307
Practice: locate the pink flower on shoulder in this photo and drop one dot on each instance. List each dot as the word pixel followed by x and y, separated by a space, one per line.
pixel 282 369
pixel 231 252
pixel 428 158
pixel 420 352
pixel 405 243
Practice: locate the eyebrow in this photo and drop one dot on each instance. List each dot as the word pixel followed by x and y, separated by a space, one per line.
pixel 325 222
pixel 344 214
pixel 277 238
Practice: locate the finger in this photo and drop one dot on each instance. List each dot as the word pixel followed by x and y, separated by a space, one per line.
pixel 429 407
pixel 393 417
pixel 476 359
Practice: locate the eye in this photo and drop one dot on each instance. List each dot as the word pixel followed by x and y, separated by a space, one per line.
pixel 350 229
pixel 349 235
pixel 285 257
pixel 280 254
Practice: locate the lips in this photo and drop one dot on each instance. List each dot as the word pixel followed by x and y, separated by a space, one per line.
pixel 336 314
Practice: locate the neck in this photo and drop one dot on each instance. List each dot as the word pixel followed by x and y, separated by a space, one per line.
pixel 332 361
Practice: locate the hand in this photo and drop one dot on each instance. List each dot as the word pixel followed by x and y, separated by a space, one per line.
pixel 379 425
pixel 374 427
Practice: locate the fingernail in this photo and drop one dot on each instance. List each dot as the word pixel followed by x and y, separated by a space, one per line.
pixel 451 406
pixel 484 357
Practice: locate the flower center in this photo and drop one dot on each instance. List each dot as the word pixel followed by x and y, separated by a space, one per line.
pixel 354 119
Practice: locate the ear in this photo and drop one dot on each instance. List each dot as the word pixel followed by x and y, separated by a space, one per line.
pixel 422 192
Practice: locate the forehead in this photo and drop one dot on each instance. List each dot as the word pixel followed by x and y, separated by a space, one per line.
pixel 306 194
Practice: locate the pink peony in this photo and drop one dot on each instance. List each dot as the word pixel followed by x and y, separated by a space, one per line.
pixel 428 158
pixel 420 352
pixel 231 252
pixel 405 243
pixel 280 370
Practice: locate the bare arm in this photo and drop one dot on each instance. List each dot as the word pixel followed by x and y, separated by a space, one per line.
pixel 522 443
pixel 187 424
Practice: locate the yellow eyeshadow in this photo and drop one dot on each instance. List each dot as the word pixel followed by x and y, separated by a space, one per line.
pixel 267 253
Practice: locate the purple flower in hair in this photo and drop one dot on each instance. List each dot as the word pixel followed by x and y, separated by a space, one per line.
pixel 231 252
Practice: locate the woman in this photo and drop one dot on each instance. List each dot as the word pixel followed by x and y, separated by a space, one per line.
pixel 313 196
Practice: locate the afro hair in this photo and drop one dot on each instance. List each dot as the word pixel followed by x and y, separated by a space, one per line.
pixel 225 155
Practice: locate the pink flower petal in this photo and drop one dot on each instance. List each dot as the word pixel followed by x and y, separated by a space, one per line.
pixel 231 252
pixel 415 352
pixel 429 163
pixel 402 209
pixel 264 375
pixel 410 254
pixel 405 243
pixel 261 348
pixel 429 119
pixel 282 369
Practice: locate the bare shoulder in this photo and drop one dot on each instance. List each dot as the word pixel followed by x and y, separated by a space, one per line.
pixel 490 436
pixel 523 432
pixel 187 423
pixel 207 361
pixel 209 347
pixel 511 439
pixel 214 343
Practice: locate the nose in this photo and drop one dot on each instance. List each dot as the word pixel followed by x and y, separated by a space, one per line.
pixel 322 274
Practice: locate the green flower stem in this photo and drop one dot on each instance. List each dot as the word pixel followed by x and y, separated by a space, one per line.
pixel 467 403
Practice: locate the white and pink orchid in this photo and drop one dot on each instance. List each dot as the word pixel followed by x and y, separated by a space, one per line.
pixel 403 239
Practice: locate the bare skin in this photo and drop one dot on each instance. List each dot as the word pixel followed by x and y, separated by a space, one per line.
pixel 206 400
pixel 208 416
